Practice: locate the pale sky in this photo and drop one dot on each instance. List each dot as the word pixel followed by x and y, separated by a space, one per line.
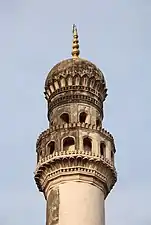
pixel 34 36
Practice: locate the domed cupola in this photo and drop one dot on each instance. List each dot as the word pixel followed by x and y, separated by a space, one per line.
pixel 75 79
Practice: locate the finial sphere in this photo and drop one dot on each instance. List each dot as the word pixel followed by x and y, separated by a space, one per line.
pixel 75 43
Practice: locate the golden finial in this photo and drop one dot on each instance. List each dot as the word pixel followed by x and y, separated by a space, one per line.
pixel 75 43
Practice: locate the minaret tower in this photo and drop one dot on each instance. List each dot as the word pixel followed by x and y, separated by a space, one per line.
pixel 75 155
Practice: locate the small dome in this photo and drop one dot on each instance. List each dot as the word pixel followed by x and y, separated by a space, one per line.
pixel 74 67
pixel 75 74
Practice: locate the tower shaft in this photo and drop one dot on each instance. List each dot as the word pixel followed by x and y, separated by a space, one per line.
pixel 75 202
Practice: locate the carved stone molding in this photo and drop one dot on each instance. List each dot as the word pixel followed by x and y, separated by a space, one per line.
pixel 77 98
pixel 45 134
pixel 75 177
pixel 77 66
pixel 73 88
pixel 72 153
pixel 68 165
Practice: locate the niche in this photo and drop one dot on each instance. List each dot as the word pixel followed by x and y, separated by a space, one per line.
pixel 102 149
pixel 65 117
pixel 82 117
pixel 98 122
pixel 51 147
pixel 68 144
pixel 87 145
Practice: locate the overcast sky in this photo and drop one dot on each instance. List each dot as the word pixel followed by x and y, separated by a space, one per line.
pixel 34 36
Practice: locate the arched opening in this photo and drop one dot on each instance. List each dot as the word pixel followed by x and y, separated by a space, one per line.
pixel 65 117
pixel 87 144
pixel 112 156
pixel 51 147
pixel 68 144
pixel 82 117
pixel 102 149
pixel 98 122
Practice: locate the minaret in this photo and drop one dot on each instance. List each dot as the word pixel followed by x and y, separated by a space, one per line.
pixel 75 155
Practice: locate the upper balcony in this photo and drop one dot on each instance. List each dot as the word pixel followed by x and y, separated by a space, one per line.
pixel 75 138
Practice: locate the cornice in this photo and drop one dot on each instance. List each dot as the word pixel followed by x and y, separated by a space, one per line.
pixel 61 164
pixel 74 88
pixel 74 98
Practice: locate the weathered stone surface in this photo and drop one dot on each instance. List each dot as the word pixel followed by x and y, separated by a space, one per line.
pixel 52 216
pixel 74 67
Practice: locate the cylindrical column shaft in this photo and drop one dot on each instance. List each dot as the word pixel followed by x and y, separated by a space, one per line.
pixel 76 203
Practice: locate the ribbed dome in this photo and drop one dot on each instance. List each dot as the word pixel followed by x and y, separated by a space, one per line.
pixel 75 77
pixel 74 67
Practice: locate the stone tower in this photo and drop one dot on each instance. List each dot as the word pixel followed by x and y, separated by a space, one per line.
pixel 75 155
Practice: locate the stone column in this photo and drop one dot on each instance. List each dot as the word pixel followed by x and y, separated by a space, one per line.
pixel 81 204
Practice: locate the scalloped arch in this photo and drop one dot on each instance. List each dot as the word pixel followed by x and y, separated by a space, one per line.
pixel 84 80
pixel 69 81
pixel 77 79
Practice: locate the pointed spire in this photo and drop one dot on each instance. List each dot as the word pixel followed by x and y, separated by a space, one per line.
pixel 75 43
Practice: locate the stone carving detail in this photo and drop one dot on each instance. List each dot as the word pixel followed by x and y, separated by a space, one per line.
pixel 77 162
pixel 76 98
pixel 53 207
pixel 71 129
pixel 78 75
pixel 78 67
